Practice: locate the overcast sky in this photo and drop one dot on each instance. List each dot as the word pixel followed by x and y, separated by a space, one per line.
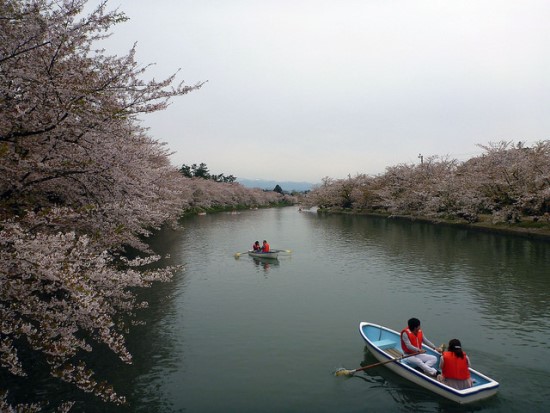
pixel 302 89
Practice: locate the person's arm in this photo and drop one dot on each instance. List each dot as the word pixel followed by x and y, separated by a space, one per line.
pixel 468 360
pixel 408 343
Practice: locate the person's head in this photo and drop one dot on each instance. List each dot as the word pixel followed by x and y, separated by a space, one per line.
pixel 257 243
pixel 414 324
pixel 265 242
pixel 456 347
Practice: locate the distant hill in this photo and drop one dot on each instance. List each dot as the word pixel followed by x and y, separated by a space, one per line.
pixel 287 186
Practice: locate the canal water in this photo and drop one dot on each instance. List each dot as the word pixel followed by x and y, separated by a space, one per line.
pixel 241 335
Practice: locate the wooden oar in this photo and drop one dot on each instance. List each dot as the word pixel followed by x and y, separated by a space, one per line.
pixel 238 254
pixel 344 372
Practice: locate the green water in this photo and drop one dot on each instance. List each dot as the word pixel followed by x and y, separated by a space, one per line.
pixel 239 335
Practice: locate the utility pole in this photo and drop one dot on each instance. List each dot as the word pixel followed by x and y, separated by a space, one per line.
pixel 421 158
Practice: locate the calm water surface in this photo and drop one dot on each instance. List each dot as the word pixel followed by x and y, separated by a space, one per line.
pixel 239 335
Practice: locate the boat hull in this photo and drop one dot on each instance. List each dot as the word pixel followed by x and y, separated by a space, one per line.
pixel 381 339
pixel 268 255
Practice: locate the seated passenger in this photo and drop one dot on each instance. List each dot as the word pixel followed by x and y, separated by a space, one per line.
pixel 454 365
pixel 412 339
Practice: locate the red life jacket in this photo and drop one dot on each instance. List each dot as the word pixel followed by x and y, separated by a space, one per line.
pixel 415 340
pixel 265 248
pixel 455 367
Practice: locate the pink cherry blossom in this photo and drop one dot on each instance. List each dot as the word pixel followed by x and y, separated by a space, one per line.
pixel 81 182
pixel 509 182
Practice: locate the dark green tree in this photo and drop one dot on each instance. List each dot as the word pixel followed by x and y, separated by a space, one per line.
pixel 223 178
pixel 201 171
pixel 186 171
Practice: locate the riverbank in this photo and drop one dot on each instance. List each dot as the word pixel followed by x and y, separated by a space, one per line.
pixel 527 228
pixel 231 208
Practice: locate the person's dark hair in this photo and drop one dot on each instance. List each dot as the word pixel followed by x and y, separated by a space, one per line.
pixel 413 323
pixel 456 347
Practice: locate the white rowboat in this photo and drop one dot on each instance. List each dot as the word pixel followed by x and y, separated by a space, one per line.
pixel 271 254
pixel 385 345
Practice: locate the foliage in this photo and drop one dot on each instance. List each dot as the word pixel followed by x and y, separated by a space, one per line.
pixel 201 171
pixel 509 181
pixel 80 180
pixel 204 194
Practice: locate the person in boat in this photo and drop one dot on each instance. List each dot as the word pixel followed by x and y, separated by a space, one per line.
pixel 256 247
pixel 412 339
pixel 265 246
pixel 454 365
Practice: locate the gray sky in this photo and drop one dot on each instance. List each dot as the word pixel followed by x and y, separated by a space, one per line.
pixel 303 89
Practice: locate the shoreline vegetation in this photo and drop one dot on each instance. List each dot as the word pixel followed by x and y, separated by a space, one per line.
pixel 82 187
pixel 284 202
pixel 504 190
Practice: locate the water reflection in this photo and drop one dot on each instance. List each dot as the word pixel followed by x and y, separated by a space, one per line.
pixel 265 264
pixel 221 338
pixel 505 276
pixel 489 290
pixel 155 345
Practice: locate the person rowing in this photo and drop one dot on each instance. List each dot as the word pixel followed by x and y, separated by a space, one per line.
pixel 412 339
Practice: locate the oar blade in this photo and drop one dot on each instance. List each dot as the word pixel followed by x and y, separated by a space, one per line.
pixel 344 372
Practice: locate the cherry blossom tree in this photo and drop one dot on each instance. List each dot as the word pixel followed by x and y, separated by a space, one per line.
pixel 509 181
pixel 205 194
pixel 323 195
pixel 424 189
pixel 80 181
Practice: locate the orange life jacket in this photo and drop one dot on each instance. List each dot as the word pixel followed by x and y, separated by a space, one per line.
pixel 265 248
pixel 455 367
pixel 416 340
